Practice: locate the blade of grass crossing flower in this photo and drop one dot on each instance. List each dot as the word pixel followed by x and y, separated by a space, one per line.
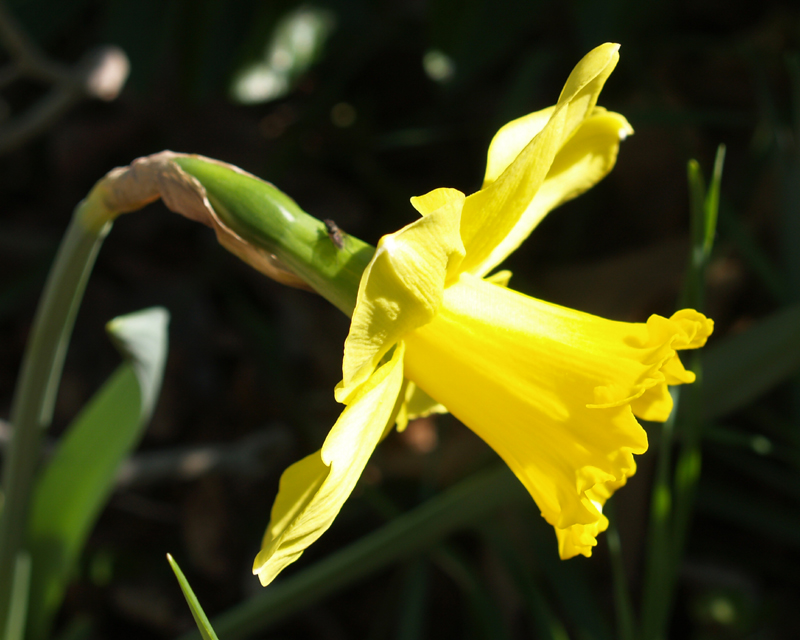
pixel 38 382
pixel 79 478
pixel 200 618
pixel 410 533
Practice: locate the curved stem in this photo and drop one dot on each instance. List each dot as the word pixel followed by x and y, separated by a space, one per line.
pixel 34 397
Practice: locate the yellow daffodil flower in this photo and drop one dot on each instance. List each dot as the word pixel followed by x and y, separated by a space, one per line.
pixel 552 390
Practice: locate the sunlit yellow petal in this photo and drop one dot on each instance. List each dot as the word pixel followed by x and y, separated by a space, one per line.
pixel 585 159
pixel 581 538
pixel 418 404
pixel 690 331
pixel 313 490
pixel 586 81
pixel 511 139
pixel 490 214
pixel 501 278
pixel 401 289
pixel 549 389
pixel 436 199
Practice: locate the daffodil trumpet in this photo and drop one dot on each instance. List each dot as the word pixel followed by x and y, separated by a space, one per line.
pixel 554 391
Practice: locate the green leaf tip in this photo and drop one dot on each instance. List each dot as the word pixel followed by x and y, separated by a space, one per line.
pixel 200 618
pixel 141 338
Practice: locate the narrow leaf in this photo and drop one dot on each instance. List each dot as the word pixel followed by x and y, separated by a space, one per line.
pixel 76 483
pixel 711 204
pixel 197 611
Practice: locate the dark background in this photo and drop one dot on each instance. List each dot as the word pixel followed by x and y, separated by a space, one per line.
pixel 356 133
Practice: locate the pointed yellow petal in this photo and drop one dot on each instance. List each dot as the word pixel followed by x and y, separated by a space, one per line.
pixel 501 278
pixel 549 389
pixel 586 81
pixel 313 490
pixel 511 139
pixel 585 159
pixel 401 288
pixel 490 214
pixel 436 199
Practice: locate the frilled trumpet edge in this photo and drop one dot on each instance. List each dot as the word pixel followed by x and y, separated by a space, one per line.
pixel 526 376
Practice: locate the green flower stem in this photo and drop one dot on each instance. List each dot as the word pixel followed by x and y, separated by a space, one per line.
pixel 622 594
pixel 34 398
pixel 705 208
pixel 657 588
pixel 673 501
pixel 409 534
pixel 271 220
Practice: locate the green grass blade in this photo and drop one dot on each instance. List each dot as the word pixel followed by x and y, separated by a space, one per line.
pixel 79 478
pixel 687 470
pixel 711 204
pixel 413 601
pixel 200 618
pixel 626 621
pixel 697 198
pixel 673 492
pixel 405 536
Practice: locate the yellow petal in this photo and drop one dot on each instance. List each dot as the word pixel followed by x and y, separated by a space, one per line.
pixel 490 214
pixel 418 404
pixel 313 490
pixel 586 81
pixel 511 139
pixel 549 389
pixel 401 289
pixel 584 160
pixel 686 329
pixel 436 199
pixel 501 278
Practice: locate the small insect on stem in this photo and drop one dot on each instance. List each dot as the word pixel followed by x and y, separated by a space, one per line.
pixel 334 233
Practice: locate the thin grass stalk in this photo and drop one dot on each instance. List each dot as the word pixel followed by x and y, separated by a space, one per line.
pixel 626 622
pixel 687 473
pixel 37 386
pixel 656 591
pixel 673 500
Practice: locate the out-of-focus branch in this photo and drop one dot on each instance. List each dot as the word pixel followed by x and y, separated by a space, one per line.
pixel 100 74
pixel 261 452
